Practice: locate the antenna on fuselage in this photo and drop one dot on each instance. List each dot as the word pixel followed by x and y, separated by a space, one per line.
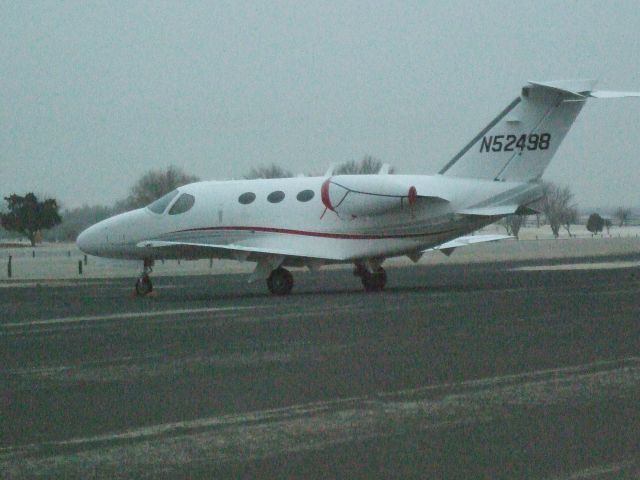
pixel 384 169
pixel 330 170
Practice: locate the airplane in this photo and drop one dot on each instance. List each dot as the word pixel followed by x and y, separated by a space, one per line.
pixel 355 219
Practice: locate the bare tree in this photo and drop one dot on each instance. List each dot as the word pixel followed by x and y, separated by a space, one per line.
pixel 569 217
pixel 367 165
pixel 538 220
pixel 512 224
pixel 622 214
pixel 268 171
pixel 152 185
pixel 555 205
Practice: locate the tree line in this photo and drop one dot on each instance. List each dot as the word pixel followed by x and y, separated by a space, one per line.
pixel 27 216
pixel 35 219
pixel 558 210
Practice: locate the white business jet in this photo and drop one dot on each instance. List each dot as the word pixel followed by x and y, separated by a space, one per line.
pixel 356 219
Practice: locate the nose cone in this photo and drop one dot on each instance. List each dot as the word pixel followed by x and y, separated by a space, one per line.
pixel 87 241
pixel 116 237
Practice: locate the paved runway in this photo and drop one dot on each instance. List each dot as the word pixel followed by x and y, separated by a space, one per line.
pixel 483 371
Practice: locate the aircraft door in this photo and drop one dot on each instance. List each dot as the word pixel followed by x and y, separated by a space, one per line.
pixel 220 213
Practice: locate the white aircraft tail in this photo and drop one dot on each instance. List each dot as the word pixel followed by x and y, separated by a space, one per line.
pixel 520 142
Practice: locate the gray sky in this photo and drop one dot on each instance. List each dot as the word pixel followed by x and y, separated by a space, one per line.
pixel 94 94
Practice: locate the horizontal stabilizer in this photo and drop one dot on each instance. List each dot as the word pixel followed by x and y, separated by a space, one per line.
pixel 610 94
pixel 582 88
pixel 579 88
pixel 491 211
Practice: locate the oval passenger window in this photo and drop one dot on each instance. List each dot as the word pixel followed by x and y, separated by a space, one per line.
pixel 183 204
pixel 246 198
pixel 275 197
pixel 305 195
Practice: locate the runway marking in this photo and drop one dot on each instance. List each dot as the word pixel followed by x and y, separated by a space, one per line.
pixel 266 433
pixel 143 367
pixel 128 315
pixel 629 468
pixel 578 266
pixel 47 283
pixel 232 315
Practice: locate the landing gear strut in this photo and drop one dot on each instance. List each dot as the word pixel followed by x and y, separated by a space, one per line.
pixel 280 282
pixel 143 284
pixel 373 281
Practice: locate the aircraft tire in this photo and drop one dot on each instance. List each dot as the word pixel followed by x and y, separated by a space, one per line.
pixel 143 286
pixel 280 282
pixel 374 281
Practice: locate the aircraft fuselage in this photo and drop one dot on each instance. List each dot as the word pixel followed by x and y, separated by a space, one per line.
pixel 298 221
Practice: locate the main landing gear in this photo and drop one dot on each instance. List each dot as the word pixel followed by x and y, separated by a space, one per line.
pixel 372 280
pixel 143 284
pixel 372 275
pixel 280 282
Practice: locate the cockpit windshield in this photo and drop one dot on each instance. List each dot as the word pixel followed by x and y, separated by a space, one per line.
pixel 160 205
pixel 183 204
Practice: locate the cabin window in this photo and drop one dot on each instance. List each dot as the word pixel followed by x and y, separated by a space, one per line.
pixel 275 197
pixel 246 198
pixel 305 195
pixel 160 205
pixel 183 204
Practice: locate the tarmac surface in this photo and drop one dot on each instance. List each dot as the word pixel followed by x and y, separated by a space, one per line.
pixel 490 370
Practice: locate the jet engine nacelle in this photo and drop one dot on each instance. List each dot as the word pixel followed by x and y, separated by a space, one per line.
pixel 366 195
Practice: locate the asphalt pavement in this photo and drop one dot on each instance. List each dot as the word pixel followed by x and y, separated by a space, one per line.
pixel 454 371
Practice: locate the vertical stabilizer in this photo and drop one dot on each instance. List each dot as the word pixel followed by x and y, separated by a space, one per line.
pixel 520 142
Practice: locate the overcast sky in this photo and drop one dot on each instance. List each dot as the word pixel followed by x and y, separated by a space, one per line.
pixel 94 94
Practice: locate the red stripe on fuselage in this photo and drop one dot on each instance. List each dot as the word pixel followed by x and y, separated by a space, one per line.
pixel 339 236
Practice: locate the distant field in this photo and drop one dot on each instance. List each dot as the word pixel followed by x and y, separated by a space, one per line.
pixel 60 260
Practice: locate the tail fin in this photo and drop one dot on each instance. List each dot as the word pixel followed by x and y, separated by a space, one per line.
pixel 520 142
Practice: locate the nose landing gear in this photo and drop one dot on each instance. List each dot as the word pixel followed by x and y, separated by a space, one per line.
pixel 143 284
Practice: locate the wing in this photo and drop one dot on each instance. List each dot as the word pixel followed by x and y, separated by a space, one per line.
pixel 295 248
pixel 298 251
pixel 470 240
pixel 269 255
pixel 448 247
